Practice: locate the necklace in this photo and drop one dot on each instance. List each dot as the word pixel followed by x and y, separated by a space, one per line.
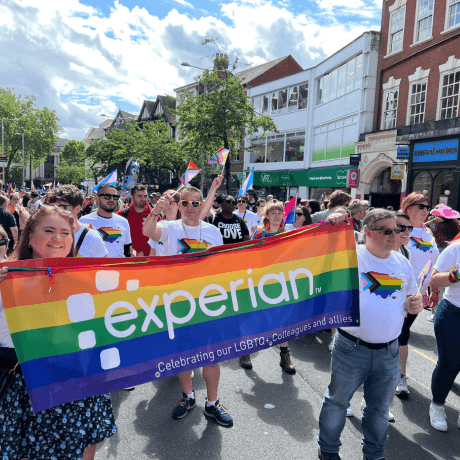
pixel 183 226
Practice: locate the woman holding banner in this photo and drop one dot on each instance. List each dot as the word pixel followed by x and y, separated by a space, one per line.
pixel 68 431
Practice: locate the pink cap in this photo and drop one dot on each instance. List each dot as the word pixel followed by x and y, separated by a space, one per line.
pixel 446 212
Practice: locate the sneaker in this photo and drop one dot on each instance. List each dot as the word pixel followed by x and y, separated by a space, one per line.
pixel 245 362
pixel 402 389
pixel 350 412
pixel 431 318
pixel 391 417
pixel 286 362
pixel 193 374
pixel 129 389
pixel 327 455
pixel 331 344
pixel 458 421
pixel 219 413
pixel 438 417
pixel 183 406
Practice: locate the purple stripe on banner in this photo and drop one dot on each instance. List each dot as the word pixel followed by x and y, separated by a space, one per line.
pixel 58 393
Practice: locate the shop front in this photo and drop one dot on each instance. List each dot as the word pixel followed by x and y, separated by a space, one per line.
pixel 324 181
pixel 280 184
pixel 435 170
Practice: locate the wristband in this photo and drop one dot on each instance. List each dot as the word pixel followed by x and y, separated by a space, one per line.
pixel 454 275
pixel 154 215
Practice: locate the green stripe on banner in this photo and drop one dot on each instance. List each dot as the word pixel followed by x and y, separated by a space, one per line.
pixel 54 341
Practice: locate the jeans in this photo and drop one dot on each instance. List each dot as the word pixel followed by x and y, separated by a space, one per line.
pixel 352 365
pixel 446 329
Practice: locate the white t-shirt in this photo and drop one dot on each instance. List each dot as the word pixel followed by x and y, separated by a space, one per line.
pixel 92 245
pixel 251 219
pixel 421 246
pixel 447 261
pixel 183 239
pixel 114 232
pixel 5 337
pixel 158 246
pixel 384 285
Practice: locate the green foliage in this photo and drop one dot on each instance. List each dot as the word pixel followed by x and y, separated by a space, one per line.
pixel 221 115
pixel 72 167
pixel 40 128
pixel 16 174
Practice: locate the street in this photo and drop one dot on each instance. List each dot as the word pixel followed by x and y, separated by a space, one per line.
pixel 276 415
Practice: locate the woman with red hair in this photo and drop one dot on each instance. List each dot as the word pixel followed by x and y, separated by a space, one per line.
pixel 422 247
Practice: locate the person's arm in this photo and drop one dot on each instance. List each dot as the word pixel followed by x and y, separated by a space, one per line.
pixel 216 183
pixel 442 279
pixel 14 232
pixel 245 231
pixel 23 216
pixel 336 218
pixel 150 228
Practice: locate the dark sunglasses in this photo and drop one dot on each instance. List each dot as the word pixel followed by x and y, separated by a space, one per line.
pixel 185 203
pixel 403 228
pixel 387 231
pixel 300 214
pixel 4 242
pixel 108 196
pixel 242 201
pixel 422 206
pixel 232 202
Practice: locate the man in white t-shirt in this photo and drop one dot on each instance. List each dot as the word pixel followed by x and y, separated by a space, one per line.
pixel 251 219
pixel 369 354
pixel 88 242
pixel 184 236
pixel 113 229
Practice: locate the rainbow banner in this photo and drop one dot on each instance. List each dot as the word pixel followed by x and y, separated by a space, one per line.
pixel 103 327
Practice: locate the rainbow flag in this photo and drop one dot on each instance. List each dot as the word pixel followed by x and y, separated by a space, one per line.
pixel 192 171
pixel 107 326
pixel 420 244
pixel 426 272
pixel 219 157
pixel 381 284
pixel 109 234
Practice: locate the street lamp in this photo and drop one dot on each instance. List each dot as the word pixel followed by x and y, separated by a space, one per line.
pixel 186 64
pixel 3 139
pixel 23 181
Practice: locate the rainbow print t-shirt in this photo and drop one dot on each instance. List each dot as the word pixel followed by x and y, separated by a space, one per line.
pixel 422 247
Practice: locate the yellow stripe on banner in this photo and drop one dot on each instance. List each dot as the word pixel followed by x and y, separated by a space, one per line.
pixel 38 315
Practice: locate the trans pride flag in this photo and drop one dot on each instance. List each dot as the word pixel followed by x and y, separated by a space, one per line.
pixel 248 183
pixel 192 171
pixel 111 179
pixel 107 326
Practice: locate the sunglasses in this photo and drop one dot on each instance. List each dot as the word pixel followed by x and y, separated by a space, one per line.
pixel 185 203
pixel 242 201
pixel 300 214
pixel 403 228
pixel 387 231
pixel 108 196
pixel 4 242
pixel 232 202
pixel 422 206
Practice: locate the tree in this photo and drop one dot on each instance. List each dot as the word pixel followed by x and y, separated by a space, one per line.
pixel 40 128
pixel 72 167
pixel 221 115
pixel 16 174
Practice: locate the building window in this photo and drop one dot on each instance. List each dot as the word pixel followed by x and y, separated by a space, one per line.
pixel 293 103
pixel 454 13
pixel 265 105
pixel 275 150
pixel 397 30
pixel 295 148
pixel 273 103
pixel 417 103
pixel 390 109
pixel 282 101
pixel 342 81
pixel 450 95
pixel 424 19
pixel 257 152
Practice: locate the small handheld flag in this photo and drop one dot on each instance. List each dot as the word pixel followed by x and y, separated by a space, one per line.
pixel 425 274
pixel 247 184
pixel 111 179
pixel 192 171
pixel 289 211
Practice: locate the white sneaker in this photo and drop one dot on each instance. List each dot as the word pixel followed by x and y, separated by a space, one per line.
pixel 391 417
pixel 193 374
pixel 431 318
pixel 402 387
pixel 350 412
pixel 458 421
pixel 438 417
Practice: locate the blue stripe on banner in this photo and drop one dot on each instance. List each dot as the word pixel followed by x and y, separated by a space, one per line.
pixel 39 373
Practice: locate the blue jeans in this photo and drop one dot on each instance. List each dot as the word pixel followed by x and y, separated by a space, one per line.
pixel 446 329
pixel 352 365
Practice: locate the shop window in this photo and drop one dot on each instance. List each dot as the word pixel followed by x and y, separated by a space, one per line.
pixel 423 182
pixel 450 95
pixel 396 31
pixel 424 20
pixel 295 149
pixel 390 109
pixel 275 151
pixel 443 181
pixel 257 152
pixel 282 101
pixel 293 103
pixel 417 103
pixel 265 105
pixel 454 13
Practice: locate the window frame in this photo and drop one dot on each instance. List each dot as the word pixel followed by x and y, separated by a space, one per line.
pixel 390 52
pixel 441 78
pixel 389 90
pixel 417 21
pixel 447 27
pixel 409 95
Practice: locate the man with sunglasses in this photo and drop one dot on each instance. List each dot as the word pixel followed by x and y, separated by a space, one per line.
pixel 251 219
pixel 369 353
pixel 232 227
pixel 114 229
pixel 188 235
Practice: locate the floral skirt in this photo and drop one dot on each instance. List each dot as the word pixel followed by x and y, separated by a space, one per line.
pixel 61 432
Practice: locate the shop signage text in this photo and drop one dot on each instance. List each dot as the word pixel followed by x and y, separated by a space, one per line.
pixel 446 150
pixel 352 178
pixel 402 152
pixel 397 172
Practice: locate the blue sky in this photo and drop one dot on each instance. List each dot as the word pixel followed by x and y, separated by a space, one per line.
pixel 87 57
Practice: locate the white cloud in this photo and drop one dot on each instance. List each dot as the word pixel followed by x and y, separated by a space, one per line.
pixel 82 63
pixel 184 3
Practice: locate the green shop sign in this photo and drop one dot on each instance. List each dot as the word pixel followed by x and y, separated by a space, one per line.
pixel 279 178
pixel 330 177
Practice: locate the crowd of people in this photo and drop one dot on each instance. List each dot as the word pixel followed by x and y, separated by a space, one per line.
pixel 395 245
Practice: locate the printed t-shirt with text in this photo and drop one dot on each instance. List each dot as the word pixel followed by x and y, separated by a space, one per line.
pixel 384 285
pixel 92 245
pixel 232 230
pixel 447 261
pixel 178 238
pixel 114 231
pixel 250 219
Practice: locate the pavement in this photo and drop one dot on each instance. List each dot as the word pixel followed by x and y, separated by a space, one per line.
pixel 276 414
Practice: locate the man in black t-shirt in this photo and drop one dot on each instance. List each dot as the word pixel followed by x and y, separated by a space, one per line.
pixel 232 227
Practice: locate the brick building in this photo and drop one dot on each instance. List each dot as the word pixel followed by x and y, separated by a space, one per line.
pixel 417 102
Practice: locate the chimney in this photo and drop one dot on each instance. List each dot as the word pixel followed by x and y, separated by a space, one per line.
pixel 221 61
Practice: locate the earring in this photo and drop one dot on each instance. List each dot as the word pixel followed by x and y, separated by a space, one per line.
pixel 30 247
